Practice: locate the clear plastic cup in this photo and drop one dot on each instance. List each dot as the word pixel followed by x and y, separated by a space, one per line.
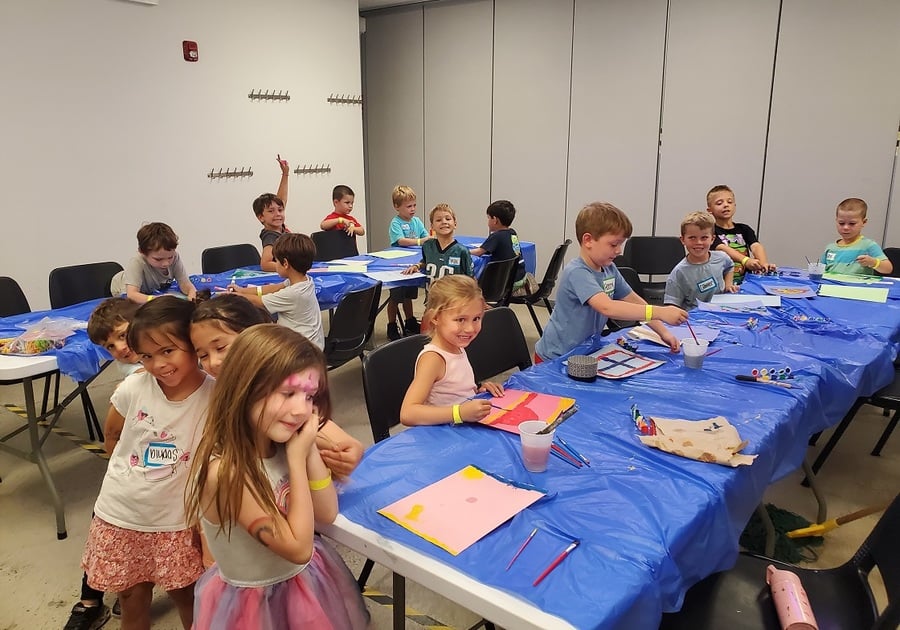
pixel 694 352
pixel 535 445
pixel 816 269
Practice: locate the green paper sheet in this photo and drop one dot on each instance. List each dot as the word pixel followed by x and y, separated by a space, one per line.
pixel 851 279
pixel 865 294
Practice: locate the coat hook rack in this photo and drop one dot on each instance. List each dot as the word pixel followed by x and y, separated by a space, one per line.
pixel 346 99
pixel 230 174
pixel 259 95
pixel 309 169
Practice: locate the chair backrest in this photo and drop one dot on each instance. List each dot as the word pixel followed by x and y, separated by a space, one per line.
pixel 228 257
pixel 893 254
pixel 333 244
pixel 548 282
pixel 882 549
pixel 653 255
pixel 12 298
pixel 350 325
pixel 80 283
pixel 497 279
pixel 387 373
pixel 500 346
pixel 633 279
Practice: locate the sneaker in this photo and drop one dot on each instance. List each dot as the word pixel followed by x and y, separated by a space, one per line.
pixel 393 332
pixel 412 326
pixel 87 617
pixel 117 609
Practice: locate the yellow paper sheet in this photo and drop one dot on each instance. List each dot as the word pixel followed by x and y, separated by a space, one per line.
pixel 865 294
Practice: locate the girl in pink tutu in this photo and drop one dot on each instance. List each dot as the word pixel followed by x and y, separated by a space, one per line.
pixel 260 485
pixel 139 536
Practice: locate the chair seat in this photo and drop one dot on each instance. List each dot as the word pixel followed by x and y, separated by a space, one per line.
pixel 889 396
pixel 740 599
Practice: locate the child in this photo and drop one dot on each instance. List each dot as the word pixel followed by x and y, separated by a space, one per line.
pixel 737 240
pixel 107 327
pixel 155 269
pixel 591 289
pixel 443 255
pixel 215 325
pixel 342 198
pixel 702 273
pixel 269 210
pixel 503 242
pixel 295 299
pixel 139 535
pixel 853 253
pixel 261 487
pixel 444 383
pixel 406 230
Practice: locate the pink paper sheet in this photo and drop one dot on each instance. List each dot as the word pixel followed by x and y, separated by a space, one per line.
pixel 460 509
pixel 518 406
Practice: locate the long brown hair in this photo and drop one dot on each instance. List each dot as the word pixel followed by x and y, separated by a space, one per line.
pixel 257 363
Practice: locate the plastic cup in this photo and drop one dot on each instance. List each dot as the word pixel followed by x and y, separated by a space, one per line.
pixel 535 446
pixel 694 352
pixel 816 269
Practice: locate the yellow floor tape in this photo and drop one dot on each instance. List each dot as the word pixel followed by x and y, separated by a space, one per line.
pixel 91 447
pixel 383 599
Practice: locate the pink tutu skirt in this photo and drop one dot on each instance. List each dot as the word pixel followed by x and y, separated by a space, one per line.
pixel 324 596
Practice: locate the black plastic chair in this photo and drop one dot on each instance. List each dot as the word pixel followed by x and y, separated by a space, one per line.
pixel 637 285
pixel 893 254
pixel 228 257
pixel 500 346
pixel 334 244
pixel 547 285
pixel 739 599
pixel 496 281
pixel 350 326
pixel 653 256
pixel 80 283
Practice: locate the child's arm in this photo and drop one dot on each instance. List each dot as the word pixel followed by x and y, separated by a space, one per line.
pixel 254 294
pixel 759 251
pixel 267 259
pixel 340 451
pixel 730 286
pixel 749 264
pixel 876 259
pixel 633 307
pixel 414 411
pixel 134 294
pixel 283 184
pixel 330 224
pixel 478 251
pixel 112 429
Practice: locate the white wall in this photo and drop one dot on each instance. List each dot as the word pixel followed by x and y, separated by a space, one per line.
pixel 105 126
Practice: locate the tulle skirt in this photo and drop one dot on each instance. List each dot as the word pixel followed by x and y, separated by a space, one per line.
pixel 324 596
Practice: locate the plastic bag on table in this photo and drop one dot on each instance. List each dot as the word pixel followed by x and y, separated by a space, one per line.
pixel 50 333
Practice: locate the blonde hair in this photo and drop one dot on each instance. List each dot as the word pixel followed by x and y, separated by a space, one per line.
pixel 441 207
pixel 401 194
pixel 601 218
pixel 258 361
pixel 451 292
pixel 853 204
pixel 717 189
pixel 702 219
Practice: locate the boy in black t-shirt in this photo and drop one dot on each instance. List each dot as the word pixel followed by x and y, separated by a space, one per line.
pixel 738 240
pixel 503 242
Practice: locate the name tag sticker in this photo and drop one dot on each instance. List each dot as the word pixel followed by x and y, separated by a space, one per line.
pixel 829 256
pixel 707 284
pixel 454 260
pixel 160 454
pixel 405 227
pixel 609 286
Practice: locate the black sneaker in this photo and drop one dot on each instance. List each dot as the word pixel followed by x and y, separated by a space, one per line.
pixel 393 332
pixel 117 609
pixel 412 326
pixel 87 617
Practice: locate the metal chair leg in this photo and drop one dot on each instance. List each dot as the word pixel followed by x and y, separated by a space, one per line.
pixel 822 513
pixel 534 317
pixel 364 574
pixel 838 432
pixel 399 602
pixel 887 433
pixel 770 529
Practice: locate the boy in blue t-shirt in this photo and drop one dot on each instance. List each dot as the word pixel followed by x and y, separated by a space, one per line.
pixel 406 230
pixel 702 273
pixel 503 242
pixel 853 253
pixel 591 290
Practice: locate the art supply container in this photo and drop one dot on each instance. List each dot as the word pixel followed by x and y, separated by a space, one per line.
pixel 816 269
pixel 694 352
pixel 791 602
pixel 582 368
pixel 535 445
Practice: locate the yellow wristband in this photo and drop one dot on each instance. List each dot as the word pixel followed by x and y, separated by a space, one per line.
pixel 419 241
pixel 320 484
pixel 744 260
pixel 875 266
pixel 259 291
pixel 648 313
pixel 457 419
pixel 150 297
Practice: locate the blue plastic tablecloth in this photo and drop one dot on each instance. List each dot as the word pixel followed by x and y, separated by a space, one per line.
pixel 651 524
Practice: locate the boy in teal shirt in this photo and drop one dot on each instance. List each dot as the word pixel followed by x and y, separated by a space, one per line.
pixel 406 230
pixel 853 253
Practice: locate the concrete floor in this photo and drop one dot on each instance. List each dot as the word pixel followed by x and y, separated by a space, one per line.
pixel 40 576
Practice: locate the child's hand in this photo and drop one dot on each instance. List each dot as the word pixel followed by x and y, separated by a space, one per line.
pixel 732 288
pixel 298 445
pixel 754 265
pixel 867 261
pixel 495 389
pixel 410 269
pixel 671 314
pixel 670 340
pixel 285 168
pixel 474 410
pixel 342 458
pixel 351 229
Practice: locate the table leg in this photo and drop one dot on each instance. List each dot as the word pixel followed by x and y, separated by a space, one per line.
pixel 37 454
pixel 770 529
pixel 822 513
pixel 399 601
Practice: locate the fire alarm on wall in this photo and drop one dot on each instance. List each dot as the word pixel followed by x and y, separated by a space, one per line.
pixel 190 50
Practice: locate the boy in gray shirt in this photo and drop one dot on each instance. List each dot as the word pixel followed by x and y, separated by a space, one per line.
pixel 702 273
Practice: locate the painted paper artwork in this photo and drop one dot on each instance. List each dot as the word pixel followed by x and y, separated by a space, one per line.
pixel 516 406
pixel 615 362
pixel 790 291
pixel 460 509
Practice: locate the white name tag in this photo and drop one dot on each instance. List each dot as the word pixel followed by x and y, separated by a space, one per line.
pixel 454 260
pixel 829 256
pixel 707 284
pixel 160 454
pixel 609 286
